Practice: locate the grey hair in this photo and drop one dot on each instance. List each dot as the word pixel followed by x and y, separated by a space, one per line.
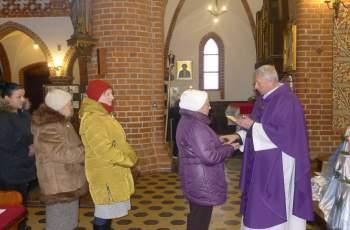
pixel 267 72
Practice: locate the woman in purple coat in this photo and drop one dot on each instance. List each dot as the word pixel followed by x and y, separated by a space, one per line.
pixel 202 157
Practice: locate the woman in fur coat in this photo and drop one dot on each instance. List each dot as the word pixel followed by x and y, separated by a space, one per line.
pixel 59 161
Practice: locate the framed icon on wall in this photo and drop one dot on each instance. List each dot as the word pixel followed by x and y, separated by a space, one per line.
pixel 184 70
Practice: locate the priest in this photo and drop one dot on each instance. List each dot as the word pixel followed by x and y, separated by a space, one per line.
pixel 275 174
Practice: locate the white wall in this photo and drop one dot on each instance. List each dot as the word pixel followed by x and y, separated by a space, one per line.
pixel 194 22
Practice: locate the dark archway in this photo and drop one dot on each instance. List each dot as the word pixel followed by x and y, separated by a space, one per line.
pixel 34 77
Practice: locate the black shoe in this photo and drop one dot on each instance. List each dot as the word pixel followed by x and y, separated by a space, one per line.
pixel 109 223
pixel 106 226
pixel 23 226
pixel 99 227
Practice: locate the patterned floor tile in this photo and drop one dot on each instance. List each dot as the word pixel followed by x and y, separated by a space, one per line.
pixel 158 204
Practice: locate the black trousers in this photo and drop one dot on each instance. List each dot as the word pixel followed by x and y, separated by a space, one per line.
pixel 199 217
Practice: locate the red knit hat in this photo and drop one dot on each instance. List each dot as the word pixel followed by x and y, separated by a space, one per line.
pixel 96 88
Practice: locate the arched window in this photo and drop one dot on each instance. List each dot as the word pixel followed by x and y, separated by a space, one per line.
pixel 211 63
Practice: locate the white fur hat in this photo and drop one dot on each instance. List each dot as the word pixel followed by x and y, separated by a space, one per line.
pixel 193 99
pixel 56 99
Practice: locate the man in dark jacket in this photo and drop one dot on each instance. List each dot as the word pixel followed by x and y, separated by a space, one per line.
pixel 202 156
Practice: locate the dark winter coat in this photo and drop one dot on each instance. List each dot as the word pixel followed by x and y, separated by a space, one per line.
pixel 59 157
pixel 16 166
pixel 202 158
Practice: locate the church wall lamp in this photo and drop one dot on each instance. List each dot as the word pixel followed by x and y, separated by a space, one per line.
pixel 55 67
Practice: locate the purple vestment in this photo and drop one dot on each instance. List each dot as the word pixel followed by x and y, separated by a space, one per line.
pixel 262 182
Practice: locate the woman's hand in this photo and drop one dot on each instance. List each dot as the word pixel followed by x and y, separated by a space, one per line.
pixel 235 145
pixel 31 152
pixel 229 139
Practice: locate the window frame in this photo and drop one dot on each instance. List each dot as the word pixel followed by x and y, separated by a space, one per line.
pixel 221 63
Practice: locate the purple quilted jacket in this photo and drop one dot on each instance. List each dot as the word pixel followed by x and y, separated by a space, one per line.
pixel 202 158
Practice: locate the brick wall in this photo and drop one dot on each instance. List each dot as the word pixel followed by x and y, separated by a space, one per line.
pixel 313 81
pixel 132 33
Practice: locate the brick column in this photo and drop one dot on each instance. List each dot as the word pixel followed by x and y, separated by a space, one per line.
pixel 313 81
pixel 132 34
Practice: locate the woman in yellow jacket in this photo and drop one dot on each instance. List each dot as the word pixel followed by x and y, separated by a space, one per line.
pixel 108 156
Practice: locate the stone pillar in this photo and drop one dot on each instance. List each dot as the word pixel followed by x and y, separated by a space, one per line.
pixel 132 34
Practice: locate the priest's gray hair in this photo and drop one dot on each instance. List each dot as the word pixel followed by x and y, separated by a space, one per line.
pixel 267 72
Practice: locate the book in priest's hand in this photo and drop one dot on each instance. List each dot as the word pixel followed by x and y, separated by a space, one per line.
pixel 232 118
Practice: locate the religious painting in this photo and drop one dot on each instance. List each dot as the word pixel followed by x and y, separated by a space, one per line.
pixel 289 48
pixel 184 70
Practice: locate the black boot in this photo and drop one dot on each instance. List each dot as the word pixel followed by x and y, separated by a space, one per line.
pixel 100 227
pixel 23 226
pixel 106 226
pixel 109 223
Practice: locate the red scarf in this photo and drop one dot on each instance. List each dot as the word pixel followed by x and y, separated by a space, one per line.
pixel 109 108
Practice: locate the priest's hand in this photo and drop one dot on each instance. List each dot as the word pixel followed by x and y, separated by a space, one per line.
pixel 245 122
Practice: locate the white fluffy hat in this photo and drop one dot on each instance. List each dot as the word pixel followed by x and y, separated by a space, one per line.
pixel 56 99
pixel 193 99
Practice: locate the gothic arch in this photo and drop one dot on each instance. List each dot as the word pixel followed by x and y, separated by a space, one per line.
pixel 178 9
pixel 5 64
pixel 250 16
pixel 9 27
pixel 170 32
pixel 68 62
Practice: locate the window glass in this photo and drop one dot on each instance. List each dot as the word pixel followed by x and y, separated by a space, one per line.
pixel 211 47
pixel 211 63
pixel 211 81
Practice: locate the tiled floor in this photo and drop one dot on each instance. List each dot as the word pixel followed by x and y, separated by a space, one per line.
pixel 158 204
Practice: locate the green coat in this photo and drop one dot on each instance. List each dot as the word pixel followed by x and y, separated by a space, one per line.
pixel 108 156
